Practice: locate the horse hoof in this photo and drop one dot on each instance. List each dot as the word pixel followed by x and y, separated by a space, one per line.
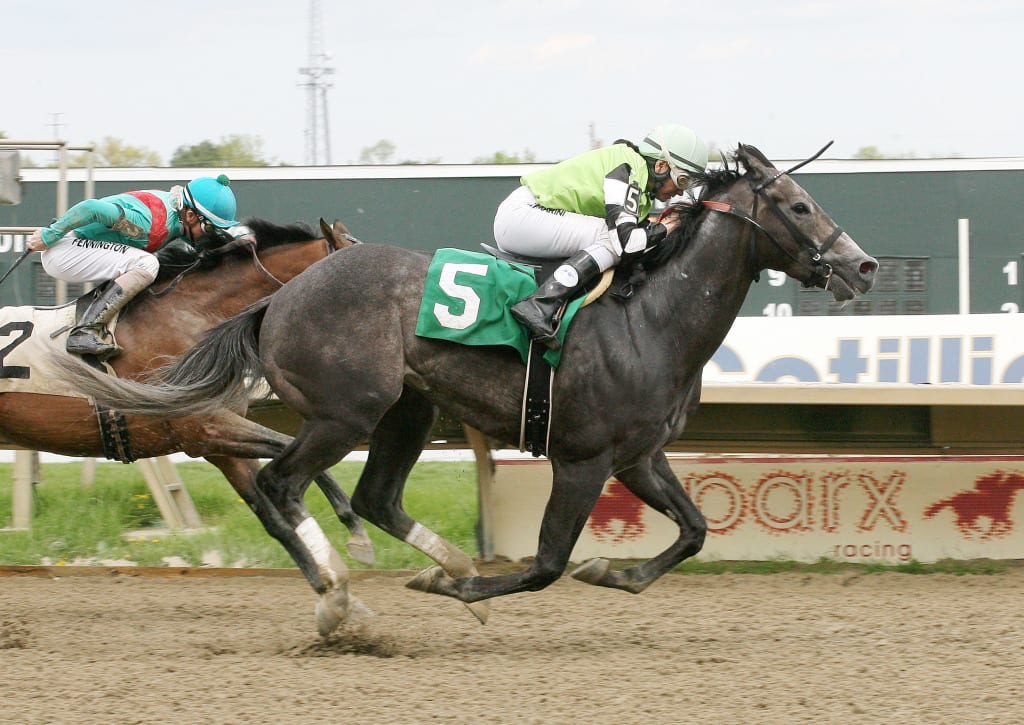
pixel 358 612
pixel 480 610
pixel 360 548
pixel 426 580
pixel 331 611
pixel 591 572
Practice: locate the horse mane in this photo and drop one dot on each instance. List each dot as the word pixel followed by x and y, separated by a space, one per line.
pixel 710 183
pixel 268 234
pixel 180 254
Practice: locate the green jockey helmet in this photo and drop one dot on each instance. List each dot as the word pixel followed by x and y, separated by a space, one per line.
pixel 213 200
pixel 679 147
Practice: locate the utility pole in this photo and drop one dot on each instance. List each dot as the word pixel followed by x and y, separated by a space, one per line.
pixel 56 124
pixel 317 82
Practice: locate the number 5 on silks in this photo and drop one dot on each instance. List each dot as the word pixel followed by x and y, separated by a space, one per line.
pixel 470 299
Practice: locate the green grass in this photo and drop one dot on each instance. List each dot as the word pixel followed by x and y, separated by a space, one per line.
pixel 73 523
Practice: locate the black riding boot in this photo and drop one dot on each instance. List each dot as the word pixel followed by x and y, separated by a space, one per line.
pixel 86 338
pixel 541 312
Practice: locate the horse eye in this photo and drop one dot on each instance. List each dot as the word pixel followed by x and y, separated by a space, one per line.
pixel 801 208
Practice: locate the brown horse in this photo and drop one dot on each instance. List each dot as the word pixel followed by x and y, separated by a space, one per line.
pixel 189 297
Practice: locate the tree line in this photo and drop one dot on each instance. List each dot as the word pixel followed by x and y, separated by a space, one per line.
pixel 244 150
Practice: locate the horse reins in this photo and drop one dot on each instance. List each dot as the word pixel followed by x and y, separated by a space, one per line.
pixel 220 251
pixel 821 270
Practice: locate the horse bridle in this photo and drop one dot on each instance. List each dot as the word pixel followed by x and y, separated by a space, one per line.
pixel 821 271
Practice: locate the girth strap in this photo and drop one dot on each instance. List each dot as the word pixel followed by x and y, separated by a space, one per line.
pixel 536 417
pixel 117 445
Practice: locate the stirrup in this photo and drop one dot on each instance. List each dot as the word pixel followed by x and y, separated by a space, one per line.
pixel 548 339
pixel 92 343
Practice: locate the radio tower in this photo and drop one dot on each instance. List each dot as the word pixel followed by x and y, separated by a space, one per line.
pixel 317 82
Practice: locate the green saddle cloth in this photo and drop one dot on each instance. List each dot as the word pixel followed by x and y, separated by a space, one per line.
pixel 467 296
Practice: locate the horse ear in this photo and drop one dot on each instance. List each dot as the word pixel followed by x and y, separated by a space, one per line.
pixel 336 234
pixel 754 161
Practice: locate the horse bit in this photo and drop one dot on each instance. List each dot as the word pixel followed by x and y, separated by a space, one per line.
pixel 821 271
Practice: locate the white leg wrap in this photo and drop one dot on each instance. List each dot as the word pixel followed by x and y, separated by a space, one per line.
pixel 428 542
pixel 315 540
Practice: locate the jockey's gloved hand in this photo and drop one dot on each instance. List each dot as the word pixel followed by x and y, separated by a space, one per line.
pixel 656 233
pixel 242 234
pixel 35 241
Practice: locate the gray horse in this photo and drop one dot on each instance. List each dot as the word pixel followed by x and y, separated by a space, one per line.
pixel 338 346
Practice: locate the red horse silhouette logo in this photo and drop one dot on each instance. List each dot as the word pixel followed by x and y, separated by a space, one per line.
pixel 991 499
pixel 617 515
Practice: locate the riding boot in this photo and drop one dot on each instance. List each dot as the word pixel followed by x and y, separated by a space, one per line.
pixel 541 312
pixel 87 338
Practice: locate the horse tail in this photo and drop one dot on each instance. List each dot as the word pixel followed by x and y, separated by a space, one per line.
pixel 221 371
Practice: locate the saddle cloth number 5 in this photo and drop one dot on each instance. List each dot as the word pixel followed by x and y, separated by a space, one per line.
pixel 470 299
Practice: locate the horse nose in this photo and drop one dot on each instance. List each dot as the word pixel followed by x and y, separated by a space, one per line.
pixel 867 269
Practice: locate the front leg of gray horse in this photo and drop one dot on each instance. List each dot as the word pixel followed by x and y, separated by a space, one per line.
pixel 653 482
pixel 395 446
pixel 574 491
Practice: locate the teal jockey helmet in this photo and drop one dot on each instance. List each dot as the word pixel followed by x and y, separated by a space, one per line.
pixel 213 200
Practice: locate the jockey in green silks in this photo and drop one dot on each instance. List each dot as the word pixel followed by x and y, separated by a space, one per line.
pixel 589 208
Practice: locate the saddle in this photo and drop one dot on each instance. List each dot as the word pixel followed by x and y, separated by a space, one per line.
pixel 544 267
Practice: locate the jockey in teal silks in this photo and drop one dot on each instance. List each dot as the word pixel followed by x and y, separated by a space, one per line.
pixel 589 208
pixel 113 240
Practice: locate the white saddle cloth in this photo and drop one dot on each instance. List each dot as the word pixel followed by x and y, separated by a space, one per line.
pixel 26 342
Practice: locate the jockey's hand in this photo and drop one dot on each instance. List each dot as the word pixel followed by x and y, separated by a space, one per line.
pixel 242 235
pixel 657 232
pixel 35 241
pixel 671 223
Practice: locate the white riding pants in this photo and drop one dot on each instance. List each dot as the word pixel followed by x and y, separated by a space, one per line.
pixel 522 226
pixel 73 259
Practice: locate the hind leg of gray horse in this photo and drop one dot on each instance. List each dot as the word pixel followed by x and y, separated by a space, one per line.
pixel 654 483
pixel 241 474
pixel 319 444
pixel 575 489
pixel 284 516
pixel 395 446
pixel 230 434
pixel 359 545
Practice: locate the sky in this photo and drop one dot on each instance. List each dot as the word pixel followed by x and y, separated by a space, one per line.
pixel 452 81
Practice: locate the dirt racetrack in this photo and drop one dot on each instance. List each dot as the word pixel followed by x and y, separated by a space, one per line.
pixel 785 648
